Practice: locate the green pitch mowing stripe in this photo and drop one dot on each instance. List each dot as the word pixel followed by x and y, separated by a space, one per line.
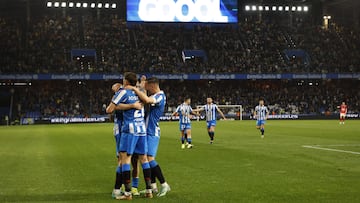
pixel 76 163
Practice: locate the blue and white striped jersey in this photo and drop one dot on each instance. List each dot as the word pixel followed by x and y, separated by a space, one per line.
pixel 153 117
pixel 184 110
pixel 133 119
pixel 210 111
pixel 261 112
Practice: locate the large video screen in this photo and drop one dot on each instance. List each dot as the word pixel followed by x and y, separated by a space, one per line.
pixel 206 11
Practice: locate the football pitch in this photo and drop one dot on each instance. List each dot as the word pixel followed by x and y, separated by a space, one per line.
pixel 297 161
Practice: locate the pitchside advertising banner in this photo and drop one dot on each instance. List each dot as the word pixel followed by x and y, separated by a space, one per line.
pixel 179 76
pixel 198 11
pixel 169 117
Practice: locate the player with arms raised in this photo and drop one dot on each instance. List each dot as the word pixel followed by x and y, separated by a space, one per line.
pixel 211 111
pixel 343 111
pixel 261 114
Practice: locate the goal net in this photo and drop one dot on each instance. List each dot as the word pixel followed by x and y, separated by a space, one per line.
pixel 230 111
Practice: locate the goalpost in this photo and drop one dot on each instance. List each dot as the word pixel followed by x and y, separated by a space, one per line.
pixel 231 111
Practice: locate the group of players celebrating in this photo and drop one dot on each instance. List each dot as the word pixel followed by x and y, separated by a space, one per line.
pixel 137 136
pixel 134 136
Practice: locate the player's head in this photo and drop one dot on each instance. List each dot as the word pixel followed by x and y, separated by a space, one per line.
pixel 115 87
pixel 209 100
pixel 130 78
pixel 187 100
pixel 152 85
pixel 261 101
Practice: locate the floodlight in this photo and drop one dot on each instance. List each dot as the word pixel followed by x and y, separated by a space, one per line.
pixel 107 5
pixel 293 8
pixel 287 8
pixel 71 4
pixel 78 5
pixel 85 5
pixel 100 5
pixel 280 8
pixel 56 4
pixel 273 8
pixel 247 8
pixel 92 5
pixel 49 4
pixel 306 8
pixel 261 8
pixel 113 5
pixel 63 4
pixel 253 8
pixel 299 8
pixel 267 8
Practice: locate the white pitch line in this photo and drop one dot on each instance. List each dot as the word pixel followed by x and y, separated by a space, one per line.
pixel 329 149
pixel 340 145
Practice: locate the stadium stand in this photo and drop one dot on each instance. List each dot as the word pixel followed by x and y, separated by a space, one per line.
pixel 249 47
pixel 45 43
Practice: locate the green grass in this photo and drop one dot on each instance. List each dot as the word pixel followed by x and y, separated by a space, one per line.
pixel 76 163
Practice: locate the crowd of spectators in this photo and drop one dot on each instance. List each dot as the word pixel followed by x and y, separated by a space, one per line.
pixel 44 46
pixel 82 99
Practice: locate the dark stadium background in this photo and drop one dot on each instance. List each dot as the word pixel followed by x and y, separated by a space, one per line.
pixel 38 40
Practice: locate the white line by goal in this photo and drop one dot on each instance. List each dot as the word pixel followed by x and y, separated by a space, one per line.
pixel 330 149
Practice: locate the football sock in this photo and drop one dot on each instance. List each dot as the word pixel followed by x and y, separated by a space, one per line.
pixel 118 180
pixel 212 134
pixel 126 177
pixel 262 131
pixel 182 140
pixel 189 140
pixel 135 182
pixel 147 174
pixel 153 163
pixel 186 138
pixel 156 171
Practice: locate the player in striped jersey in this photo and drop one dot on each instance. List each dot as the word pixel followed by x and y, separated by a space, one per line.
pixel 157 102
pixel 261 114
pixel 184 111
pixel 133 136
pixel 118 119
pixel 211 111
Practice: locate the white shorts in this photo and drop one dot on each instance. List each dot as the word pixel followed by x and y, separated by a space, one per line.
pixel 342 114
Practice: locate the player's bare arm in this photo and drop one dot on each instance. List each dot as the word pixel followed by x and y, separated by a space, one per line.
pixel 136 105
pixel 112 107
pixel 221 113
pixel 143 97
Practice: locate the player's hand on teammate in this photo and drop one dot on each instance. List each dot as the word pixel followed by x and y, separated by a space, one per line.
pixel 137 105
pixel 142 82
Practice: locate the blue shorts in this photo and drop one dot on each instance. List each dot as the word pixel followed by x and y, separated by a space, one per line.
pixel 153 145
pixel 260 122
pixel 132 144
pixel 210 123
pixel 185 126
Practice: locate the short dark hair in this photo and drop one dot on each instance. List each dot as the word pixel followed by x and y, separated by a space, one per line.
pixel 152 80
pixel 131 78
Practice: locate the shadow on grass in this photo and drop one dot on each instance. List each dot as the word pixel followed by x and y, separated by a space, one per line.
pixel 65 197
